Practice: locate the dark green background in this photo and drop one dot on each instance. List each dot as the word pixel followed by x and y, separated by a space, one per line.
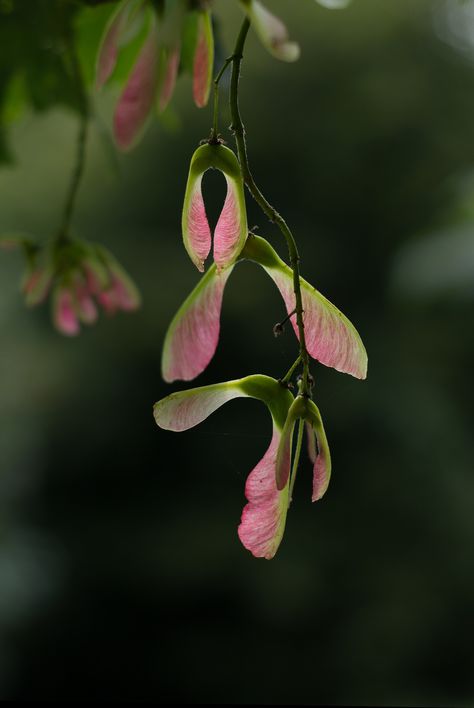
pixel 121 573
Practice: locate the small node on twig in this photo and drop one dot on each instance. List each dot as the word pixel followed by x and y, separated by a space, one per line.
pixel 214 139
pixel 278 329
pixel 310 384
pixel 286 384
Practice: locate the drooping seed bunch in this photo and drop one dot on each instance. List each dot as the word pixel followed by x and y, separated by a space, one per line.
pixel 324 333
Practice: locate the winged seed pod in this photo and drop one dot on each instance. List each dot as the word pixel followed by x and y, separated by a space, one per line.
pixel 192 336
pixel 303 408
pixel 231 229
pixel 268 485
pixel 263 518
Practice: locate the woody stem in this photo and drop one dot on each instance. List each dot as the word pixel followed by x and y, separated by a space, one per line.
pixel 239 133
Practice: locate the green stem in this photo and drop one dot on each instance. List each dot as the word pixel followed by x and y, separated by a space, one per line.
pixel 272 214
pixel 75 181
pixel 290 371
pixel 296 460
pixel 63 234
pixel 215 122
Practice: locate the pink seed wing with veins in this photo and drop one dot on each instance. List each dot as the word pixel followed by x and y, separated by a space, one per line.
pixel 330 337
pixel 193 335
pixel 227 231
pixel 199 233
pixel 185 409
pixel 264 517
pixel 322 463
pixel 321 476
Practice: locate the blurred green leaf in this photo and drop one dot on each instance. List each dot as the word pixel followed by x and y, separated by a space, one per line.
pixel 34 64
pixel 189 39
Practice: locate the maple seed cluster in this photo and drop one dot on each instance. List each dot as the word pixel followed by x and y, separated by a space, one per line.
pixel 325 334
pixel 163 40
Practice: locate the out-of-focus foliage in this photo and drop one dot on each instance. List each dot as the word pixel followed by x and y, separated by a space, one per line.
pixel 35 56
pixel 121 572
pixel 39 38
pixel 34 68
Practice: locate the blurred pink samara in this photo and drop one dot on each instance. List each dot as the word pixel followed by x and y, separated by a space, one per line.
pixel 152 77
pixel 78 292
